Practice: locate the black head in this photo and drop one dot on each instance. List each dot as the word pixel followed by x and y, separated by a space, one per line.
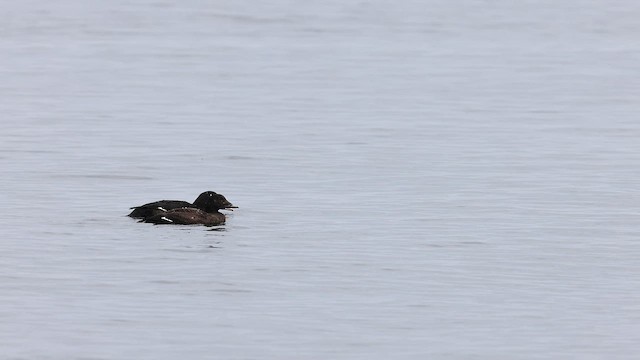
pixel 210 201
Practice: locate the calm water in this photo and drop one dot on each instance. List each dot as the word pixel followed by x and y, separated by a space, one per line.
pixel 416 180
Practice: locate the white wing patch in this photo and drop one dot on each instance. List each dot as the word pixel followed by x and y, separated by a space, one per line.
pixel 161 208
pixel 166 219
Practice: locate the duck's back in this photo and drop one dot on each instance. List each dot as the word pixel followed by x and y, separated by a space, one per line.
pixel 158 207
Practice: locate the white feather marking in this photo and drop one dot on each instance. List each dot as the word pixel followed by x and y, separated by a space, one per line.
pixel 161 208
pixel 166 219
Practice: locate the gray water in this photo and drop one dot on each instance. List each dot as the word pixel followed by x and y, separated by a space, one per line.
pixel 416 179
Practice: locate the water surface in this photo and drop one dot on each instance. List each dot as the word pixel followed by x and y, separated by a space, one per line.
pixel 442 180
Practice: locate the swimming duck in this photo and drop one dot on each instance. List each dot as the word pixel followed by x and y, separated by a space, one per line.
pixel 208 201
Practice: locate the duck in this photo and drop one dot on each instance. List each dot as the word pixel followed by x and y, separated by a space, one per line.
pixel 208 201
pixel 186 216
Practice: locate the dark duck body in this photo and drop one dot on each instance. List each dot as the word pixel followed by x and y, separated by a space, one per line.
pixel 208 201
pixel 186 216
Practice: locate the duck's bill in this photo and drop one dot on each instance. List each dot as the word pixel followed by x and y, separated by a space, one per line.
pixel 230 207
